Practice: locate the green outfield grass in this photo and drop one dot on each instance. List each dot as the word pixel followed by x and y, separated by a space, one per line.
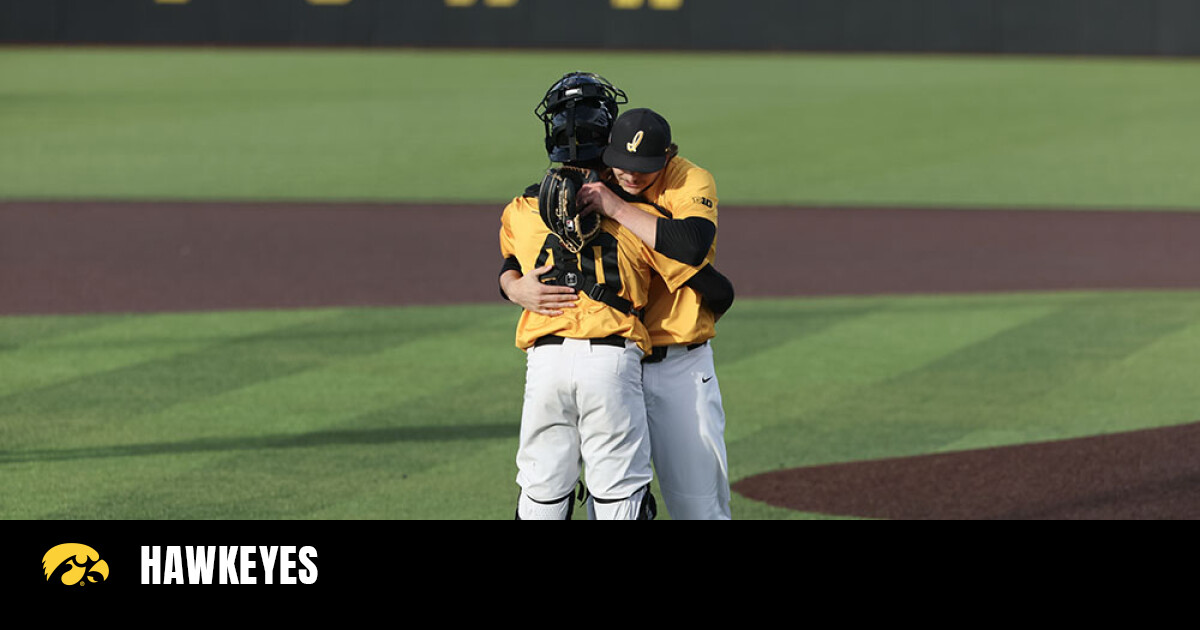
pixel 412 413
pixel 419 125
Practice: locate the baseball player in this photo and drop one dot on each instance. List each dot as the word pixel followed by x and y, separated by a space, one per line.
pixel 683 399
pixel 584 411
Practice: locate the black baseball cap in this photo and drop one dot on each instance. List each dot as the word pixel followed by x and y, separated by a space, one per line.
pixel 639 142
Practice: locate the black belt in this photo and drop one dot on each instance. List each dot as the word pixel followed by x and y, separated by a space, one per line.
pixel 555 340
pixel 658 353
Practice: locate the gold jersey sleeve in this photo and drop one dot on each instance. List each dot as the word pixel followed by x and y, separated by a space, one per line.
pixel 615 258
pixel 676 314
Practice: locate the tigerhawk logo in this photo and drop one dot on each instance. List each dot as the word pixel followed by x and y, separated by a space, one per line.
pixel 633 144
pixel 75 564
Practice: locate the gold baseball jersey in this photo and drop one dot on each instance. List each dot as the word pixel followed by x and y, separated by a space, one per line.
pixel 615 257
pixel 676 314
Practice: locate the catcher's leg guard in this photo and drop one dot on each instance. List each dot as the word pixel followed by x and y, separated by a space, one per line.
pixel 560 510
pixel 640 506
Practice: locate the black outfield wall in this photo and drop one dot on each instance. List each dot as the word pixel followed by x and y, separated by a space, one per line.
pixel 1109 27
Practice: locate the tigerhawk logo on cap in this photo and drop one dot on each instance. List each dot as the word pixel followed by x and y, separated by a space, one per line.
pixel 75 564
pixel 632 145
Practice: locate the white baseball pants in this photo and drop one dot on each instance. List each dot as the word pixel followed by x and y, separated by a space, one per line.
pixel 687 429
pixel 584 414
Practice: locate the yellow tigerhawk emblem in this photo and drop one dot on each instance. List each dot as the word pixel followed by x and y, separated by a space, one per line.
pixel 83 564
pixel 632 145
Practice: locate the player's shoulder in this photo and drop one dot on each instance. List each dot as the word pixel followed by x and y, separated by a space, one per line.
pixel 689 191
pixel 684 164
pixel 521 204
pixel 685 170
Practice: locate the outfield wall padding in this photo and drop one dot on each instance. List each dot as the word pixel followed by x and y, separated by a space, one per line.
pixel 1092 27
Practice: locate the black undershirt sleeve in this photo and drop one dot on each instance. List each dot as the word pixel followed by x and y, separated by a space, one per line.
pixel 714 287
pixel 510 263
pixel 686 240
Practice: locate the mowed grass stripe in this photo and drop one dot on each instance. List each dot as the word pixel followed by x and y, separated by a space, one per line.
pixel 447 453
pixel 96 404
pixel 383 415
pixel 422 381
pixel 790 408
pixel 1150 382
pixel 90 410
pixel 343 471
pixel 1016 385
pixel 1025 385
pixel 285 475
pixel 17 332
pixel 763 326
pixel 478 488
pixel 51 350
pixel 810 374
pixel 782 405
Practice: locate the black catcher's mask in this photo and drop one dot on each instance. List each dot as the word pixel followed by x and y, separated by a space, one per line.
pixel 578 113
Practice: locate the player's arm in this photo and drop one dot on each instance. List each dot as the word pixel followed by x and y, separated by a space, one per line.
pixel 687 240
pixel 601 198
pixel 528 292
pixel 715 289
pixel 689 230
pixel 510 272
pixel 690 227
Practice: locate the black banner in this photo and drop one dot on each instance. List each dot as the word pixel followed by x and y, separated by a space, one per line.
pixel 307 562
pixel 1111 27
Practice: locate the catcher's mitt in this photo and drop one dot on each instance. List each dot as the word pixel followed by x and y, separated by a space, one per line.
pixel 560 212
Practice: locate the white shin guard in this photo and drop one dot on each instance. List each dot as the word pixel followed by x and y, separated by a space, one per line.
pixel 530 510
pixel 639 506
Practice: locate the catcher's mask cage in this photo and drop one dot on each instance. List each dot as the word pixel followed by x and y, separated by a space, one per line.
pixel 578 112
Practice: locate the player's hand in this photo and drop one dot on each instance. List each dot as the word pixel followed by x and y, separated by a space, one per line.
pixel 529 293
pixel 597 197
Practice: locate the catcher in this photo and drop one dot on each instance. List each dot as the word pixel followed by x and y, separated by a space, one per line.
pixel 584 415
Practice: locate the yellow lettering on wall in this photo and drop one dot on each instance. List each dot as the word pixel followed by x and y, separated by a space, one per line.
pixel 657 5
pixel 460 3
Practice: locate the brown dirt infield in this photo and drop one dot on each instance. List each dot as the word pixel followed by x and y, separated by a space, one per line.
pixel 102 257
pixel 73 257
